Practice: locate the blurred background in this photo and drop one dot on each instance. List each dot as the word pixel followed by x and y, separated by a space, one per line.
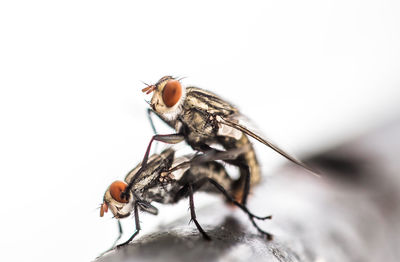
pixel 310 75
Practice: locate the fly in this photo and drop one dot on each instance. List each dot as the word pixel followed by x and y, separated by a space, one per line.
pixel 202 119
pixel 166 179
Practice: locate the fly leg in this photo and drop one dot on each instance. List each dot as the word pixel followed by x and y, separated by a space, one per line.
pixel 188 191
pixel 240 163
pixel 252 217
pixel 137 226
pixel 149 112
pixel 171 123
pixel 193 214
pixel 119 235
pixel 221 189
pixel 115 242
pixel 169 139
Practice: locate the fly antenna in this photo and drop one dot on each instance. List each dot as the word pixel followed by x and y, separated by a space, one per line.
pixel 149 89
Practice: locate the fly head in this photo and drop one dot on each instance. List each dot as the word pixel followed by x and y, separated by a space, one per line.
pixel 168 96
pixel 112 200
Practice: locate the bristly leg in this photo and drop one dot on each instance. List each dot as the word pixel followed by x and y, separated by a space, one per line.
pixel 193 214
pixel 262 232
pixel 169 139
pixel 153 127
pixel 252 217
pixel 242 165
pixel 137 225
pixel 149 112
pixel 116 240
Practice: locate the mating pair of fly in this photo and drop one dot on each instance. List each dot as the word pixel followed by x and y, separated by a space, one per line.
pixel 201 119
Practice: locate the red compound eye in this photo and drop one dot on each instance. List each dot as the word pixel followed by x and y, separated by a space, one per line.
pixel 172 92
pixel 116 188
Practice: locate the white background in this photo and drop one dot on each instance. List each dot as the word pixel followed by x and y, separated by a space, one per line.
pixel 309 74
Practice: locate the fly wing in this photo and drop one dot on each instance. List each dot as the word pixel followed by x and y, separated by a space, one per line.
pixel 211 156
pixel 179 166
pixel 147 207
pixel 243 129
pixel 230 154
pixel 134 171
pixel 229 131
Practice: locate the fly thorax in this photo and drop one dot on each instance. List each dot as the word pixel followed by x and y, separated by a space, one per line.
pixel 198 124
pixel 161 193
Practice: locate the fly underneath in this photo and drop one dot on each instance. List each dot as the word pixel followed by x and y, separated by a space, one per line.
pixel 166 179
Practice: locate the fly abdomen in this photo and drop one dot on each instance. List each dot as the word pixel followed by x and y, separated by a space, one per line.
pixel 247 162
pixel 197 175
pixel 251 160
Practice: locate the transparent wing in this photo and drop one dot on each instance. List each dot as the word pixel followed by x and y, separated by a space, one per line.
pixel 237 126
